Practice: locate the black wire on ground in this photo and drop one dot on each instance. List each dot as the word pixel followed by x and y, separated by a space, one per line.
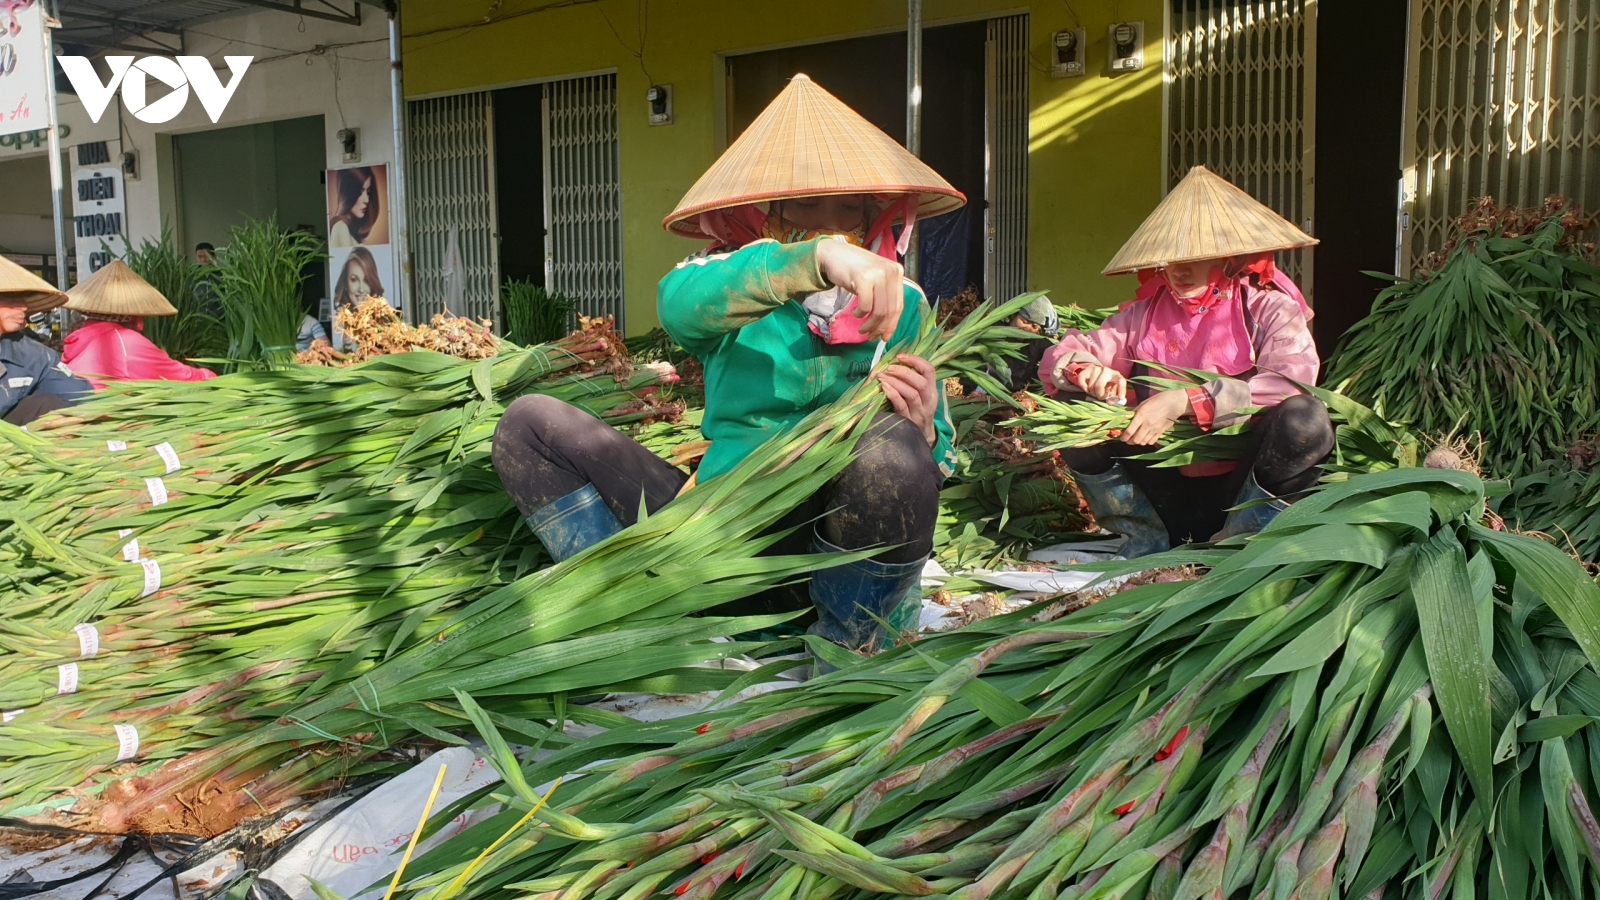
pixel 246 838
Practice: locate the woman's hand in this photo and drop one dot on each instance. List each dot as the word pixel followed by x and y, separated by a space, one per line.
pixel 1155 417
pixel 1100 382
pixel 875 281
pixel 913 391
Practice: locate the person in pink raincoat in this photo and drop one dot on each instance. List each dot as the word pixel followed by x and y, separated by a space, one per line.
pixel 111 345
pixel 1210 299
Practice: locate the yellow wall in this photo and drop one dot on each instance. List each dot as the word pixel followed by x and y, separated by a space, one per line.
pixel 1095 164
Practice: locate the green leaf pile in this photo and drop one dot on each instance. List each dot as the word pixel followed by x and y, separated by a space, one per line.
pixel 1377 696
pixel 1499 340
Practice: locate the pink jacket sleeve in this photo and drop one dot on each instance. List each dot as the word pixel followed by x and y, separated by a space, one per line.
pixel 1285 354
pixel 127 354
pixel 1106 346
pixel 147 361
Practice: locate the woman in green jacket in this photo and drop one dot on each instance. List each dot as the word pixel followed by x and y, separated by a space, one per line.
pixel 794 301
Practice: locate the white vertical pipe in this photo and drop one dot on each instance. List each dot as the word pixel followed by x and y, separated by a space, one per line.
pixel 491 249
pixel 401 237
pixel 913 105
pixel 548 148
pixel 53 127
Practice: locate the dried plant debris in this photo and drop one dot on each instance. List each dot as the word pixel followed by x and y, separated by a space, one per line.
pixel 1085 598
pixel 1489 219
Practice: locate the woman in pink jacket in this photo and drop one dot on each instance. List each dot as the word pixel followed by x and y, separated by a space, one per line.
pixel 1210 299
pixel 110 346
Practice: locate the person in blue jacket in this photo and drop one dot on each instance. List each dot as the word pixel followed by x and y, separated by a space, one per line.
pixel 33 380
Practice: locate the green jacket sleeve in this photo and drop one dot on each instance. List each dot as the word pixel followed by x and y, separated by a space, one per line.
pixel 708 297
pixel 918 314
pixel 944 436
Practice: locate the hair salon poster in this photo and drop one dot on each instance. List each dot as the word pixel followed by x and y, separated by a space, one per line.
pixel 361 259
pixel 22 67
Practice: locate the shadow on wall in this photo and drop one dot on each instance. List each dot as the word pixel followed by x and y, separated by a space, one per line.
pixel 1066 117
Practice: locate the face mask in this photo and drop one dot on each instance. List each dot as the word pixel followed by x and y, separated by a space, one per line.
pixel 786 232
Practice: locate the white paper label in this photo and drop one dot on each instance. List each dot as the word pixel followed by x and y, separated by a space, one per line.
pixel 21 381
pixel 88 640
pixel 130 551
pixel 152 576
pixel 9 714
pixel 157 489
pixel 116 446
pixel 67 679
pixel 168 456
pixel 127 742
pixel 124 532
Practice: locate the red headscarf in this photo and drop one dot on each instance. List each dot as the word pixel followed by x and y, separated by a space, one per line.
pixel 737 226
pixel 1207 332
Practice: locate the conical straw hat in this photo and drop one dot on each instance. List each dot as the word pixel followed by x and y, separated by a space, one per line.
pixel 117 290
pixel 18 283
pixel 807 142
pixel 1205 217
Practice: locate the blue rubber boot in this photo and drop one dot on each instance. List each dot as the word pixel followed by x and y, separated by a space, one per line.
pixel 852 598
pixel 1250 519
pixel 574 523
pixel 1119 506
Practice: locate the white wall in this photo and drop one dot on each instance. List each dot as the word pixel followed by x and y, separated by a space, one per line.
pixel 348 85
pixel 25 217
pixel 26 222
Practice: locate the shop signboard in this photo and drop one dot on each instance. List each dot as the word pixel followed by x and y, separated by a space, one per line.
pixel 99 208
pixel 24 68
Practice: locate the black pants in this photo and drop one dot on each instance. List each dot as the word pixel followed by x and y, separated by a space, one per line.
pixel 888 496
pixel 33 406
pixel 1287 444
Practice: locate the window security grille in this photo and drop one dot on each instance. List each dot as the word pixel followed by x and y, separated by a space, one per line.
pixel 1241 101
pixel 1503 100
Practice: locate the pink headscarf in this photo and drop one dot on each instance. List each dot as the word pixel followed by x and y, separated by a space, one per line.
pixel 1207 332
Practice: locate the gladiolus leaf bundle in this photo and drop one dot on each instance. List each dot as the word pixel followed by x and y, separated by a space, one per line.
pixel 1376 696
pixel 1498 340
pixel 176 555
pixel 336 559
pixel 1004 497
pixel 1364 441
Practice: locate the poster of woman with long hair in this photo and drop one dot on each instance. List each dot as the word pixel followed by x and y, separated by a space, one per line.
pixel 361 261
pixel 359 279
pixel 358 211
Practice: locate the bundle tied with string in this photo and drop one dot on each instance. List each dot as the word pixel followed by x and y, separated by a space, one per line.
pixel 336 557
pixel 246 540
